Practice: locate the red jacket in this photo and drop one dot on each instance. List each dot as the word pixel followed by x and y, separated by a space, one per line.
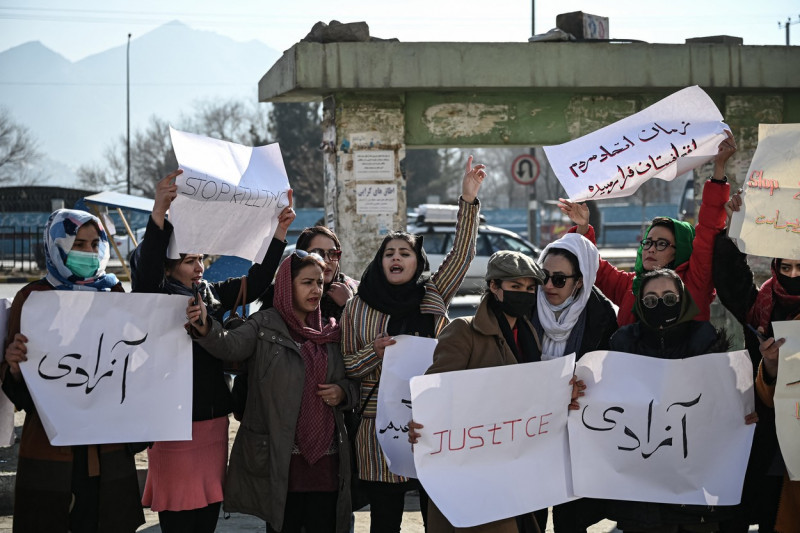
pixel 617 284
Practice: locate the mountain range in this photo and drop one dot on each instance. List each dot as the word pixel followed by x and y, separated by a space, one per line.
pixel 76 109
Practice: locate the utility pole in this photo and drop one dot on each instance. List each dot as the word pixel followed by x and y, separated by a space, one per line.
pixel 128 98
pixel 786 25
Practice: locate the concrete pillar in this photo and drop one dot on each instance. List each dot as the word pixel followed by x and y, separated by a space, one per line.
pixel 365 189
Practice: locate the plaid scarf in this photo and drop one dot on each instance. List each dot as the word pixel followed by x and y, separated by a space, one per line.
pixel 315 425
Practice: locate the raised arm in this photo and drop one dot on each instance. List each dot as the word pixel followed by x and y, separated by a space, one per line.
pixel 151 252
pixel 451 272
pixel 614 283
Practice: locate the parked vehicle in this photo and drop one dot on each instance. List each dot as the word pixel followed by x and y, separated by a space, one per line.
pixel 437 223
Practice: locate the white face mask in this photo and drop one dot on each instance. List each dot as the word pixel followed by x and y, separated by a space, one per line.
pixel 566 303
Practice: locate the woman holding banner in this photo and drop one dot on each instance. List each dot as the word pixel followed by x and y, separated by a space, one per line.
pixel 667 328
pixel 500 333
pixel 572 315
pixel 86 489
pixel 290 463
pixel 756 308
pixel 185 478
pixel 668 243
pixel 393 299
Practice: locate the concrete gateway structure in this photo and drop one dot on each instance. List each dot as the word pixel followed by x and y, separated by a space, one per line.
pixel 385 97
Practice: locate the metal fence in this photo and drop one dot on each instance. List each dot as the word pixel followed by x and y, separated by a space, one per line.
pixel 21 248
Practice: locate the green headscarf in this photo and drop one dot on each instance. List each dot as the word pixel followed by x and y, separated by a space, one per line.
pixel 684 236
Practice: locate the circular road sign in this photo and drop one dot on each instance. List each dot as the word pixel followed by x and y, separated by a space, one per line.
pixel 525 169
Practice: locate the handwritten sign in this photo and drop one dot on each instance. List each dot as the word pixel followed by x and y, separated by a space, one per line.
pixel 410 357
pixel 671 137
pixel 768 223
pixel 6 407
pixel 229 197
pixel 657 430
pixel 376 199
pixel 108 367
pixel 787 395
pixel 375 165
pixel 490 438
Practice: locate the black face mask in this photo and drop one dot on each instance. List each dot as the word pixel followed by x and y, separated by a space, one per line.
pixel 518 303
pixel 661 316
pixel 792 285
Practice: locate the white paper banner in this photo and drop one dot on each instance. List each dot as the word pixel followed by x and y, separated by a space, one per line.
pixel 6 407
pixel 108 367
pixel 672 136
pixel 229 197
pixel 410 356
pixel 494 442
pixel 787 395
pixel 769 222
pixel 657 430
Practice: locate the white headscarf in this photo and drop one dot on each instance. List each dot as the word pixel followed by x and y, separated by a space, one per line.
pixel 557 330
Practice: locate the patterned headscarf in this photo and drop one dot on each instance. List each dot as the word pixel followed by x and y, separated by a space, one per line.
pixel 315 425
pixel 59 236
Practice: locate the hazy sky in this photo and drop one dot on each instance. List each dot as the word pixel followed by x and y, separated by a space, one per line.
pixel 90 26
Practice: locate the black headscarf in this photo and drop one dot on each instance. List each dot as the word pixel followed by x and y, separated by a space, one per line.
pixel 397 301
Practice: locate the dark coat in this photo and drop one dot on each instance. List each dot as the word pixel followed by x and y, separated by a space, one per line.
pixel 48 475
pixel 258 474
pixel 211 397
pixel 688 338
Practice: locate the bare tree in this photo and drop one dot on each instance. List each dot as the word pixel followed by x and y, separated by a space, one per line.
pixel 17 150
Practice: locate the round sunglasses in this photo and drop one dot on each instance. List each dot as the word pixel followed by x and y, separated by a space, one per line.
pixel 669 299
pixel 559 280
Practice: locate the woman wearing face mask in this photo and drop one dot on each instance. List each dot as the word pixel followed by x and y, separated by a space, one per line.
pixel 572 316
pixel 666 329
pixel 86 489
pixel 290 462
pixel 500 333
pixel 668 243
pixel 185 478
pixel 393 299
pixel 756 308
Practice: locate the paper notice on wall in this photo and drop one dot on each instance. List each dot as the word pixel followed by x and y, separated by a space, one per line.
pixel 376 199
pixel 374 165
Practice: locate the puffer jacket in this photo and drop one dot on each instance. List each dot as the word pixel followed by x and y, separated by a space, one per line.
pixel 258 472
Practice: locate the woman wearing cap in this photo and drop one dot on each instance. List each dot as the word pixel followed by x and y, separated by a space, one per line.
pixel 668 243
pixel 667 329
pixel 58 489
pixel 572 316
pixel 499 334
pixel 394 298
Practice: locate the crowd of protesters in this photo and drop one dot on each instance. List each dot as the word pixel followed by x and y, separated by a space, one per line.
pixel 313 355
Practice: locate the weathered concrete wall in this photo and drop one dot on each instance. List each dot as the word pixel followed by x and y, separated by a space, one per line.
pixel 356 123
pixel 309 70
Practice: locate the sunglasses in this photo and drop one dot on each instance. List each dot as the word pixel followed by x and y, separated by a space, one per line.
pixel 669 299
pixel 331 255
pixel 660 244
pixel 559 280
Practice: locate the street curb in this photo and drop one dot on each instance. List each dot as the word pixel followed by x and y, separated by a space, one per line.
pixel 19 279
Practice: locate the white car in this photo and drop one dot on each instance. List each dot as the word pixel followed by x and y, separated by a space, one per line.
pixel 436 223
